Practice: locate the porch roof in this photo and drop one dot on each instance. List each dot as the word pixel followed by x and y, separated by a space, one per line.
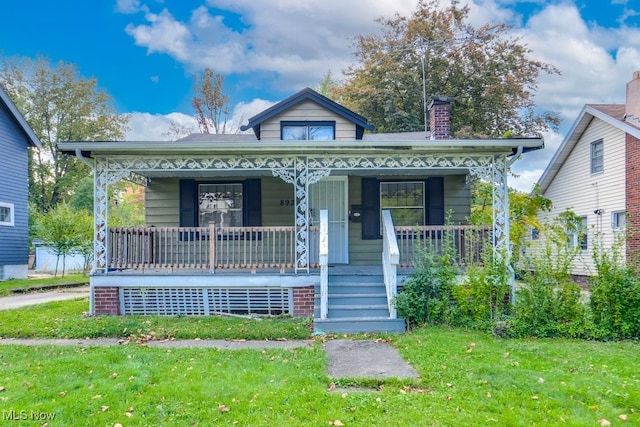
pixel 504 146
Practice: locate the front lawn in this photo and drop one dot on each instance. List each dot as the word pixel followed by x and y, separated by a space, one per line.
pixel 467 378
pixel 65 319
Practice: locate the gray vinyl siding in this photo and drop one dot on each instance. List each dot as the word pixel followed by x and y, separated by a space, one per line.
pixel 14 241
pixel 163 210
pixel 278 202
pixel 457 198
pixel 308 111
pixel 162 203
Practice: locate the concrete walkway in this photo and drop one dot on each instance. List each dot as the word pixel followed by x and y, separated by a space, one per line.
pixel 33 298
pixel 346 358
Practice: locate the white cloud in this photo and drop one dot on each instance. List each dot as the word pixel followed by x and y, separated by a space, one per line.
pixel 128 6
pixel 156 127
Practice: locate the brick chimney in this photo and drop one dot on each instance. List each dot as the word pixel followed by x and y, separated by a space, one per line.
pixel 632 112
pixel 440 117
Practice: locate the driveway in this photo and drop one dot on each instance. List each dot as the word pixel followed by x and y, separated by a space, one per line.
pixel 32 298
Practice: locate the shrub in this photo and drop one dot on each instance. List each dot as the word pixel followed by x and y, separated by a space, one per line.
pixel 426 296
pixel 615 294
pixel 483 296
pixel 548 303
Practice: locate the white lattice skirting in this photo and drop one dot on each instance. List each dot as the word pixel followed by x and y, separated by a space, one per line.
pixel 205 301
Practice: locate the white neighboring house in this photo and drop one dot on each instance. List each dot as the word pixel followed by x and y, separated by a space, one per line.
pixel 596 174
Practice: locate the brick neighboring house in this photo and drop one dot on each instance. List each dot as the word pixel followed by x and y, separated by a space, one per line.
pixel 596 174
pixel 16 137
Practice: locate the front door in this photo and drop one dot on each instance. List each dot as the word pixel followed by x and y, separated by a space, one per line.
pixel 331 194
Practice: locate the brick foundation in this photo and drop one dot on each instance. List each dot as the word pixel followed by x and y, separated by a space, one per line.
pixel 106 301
pixel 303 301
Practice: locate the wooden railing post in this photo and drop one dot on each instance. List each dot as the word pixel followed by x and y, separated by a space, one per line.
pixel 212 247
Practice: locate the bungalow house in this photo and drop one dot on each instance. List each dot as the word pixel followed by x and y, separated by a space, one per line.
pixel 16 137
pixel 595 174
pixel 307 214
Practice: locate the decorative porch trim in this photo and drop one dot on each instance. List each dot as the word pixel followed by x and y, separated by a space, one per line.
pixel 300 171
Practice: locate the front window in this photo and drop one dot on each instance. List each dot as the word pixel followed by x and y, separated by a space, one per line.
pixel 405 201
pixel 6 214
pixel 597 156
pixel 220 204
pixel 319 131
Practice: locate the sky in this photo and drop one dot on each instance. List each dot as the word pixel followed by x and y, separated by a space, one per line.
pixel 145 53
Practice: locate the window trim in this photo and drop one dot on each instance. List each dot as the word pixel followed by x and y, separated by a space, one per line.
pixel 11 222
pixel 307 123
pixel 596 167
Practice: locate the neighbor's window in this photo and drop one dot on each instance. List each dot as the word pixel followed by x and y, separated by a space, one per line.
pixel 6 214
pixel 319 131
pixel 618 220
pixel 577 234
pixel 535 233
pixel 597 156
pixel 220 204
pixel 405 201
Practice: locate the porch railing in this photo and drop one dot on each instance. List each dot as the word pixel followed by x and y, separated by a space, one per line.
pixel 390 259
pixel 193 247
pixel 466 241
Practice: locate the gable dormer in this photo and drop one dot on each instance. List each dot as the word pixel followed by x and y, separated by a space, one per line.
pixel 308 115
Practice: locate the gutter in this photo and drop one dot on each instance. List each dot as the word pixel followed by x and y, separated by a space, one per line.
pixel 516 156
pixel 84 159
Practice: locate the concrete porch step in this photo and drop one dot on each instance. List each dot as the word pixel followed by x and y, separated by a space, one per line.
pixel 350 325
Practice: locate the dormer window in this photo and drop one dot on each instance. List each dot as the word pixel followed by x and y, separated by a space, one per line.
pixel 302 131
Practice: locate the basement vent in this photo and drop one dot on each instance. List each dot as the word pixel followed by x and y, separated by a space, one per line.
pixel 205 301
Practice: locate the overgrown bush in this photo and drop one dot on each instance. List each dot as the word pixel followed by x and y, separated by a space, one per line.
pixel 426 297
pixel 548 303
pixel 482 298
pixel 615 294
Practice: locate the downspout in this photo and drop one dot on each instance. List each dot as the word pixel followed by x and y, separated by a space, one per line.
pixel 87 162
pixel 518 153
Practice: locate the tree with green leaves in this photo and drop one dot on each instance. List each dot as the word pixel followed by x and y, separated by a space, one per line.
pixel 65 230
pixel 211 103
pixel 489 74
pixel 523 212
pixel 59 105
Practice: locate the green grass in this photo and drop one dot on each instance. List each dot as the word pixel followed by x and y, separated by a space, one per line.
pixel 7 286
pixel 65 319
pixel 467 378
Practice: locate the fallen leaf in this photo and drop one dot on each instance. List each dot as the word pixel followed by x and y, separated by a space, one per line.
pixel 104 408
pixel 336 423
pixel 344 395
pixel 223 408
pixel 534 397
pixel 506 355
pixel 117 425
pixel 540 380
pixel 1 389
pixel 488 395
pixel 332 387
pixel 114 375
pixel 604 423
pixel 623 417
pixel 128 414
pixel 62 393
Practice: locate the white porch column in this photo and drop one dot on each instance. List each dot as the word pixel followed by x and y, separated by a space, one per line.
pixel 501 241
pixel 102 178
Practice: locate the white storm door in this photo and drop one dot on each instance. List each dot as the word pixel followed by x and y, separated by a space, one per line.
pixel 331 194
